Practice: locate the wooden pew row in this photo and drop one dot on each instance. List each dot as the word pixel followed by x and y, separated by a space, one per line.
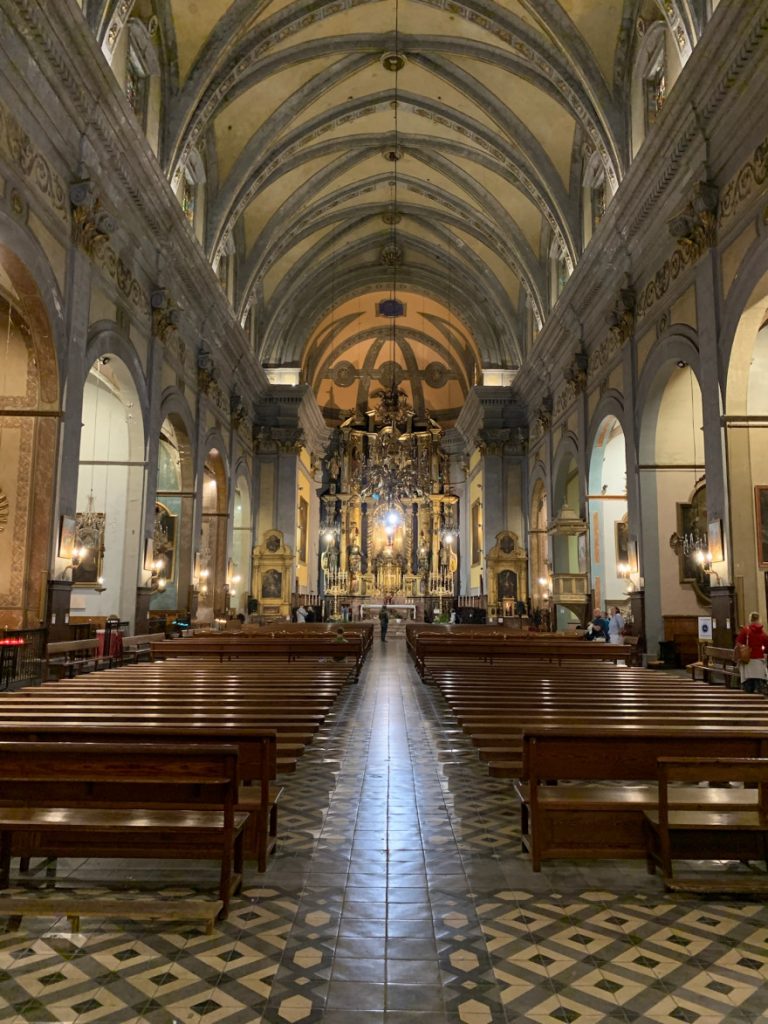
pixel 606 820
pixel 112 799
pixel 587 819
pixel 538 651
pixel 284 648
pixel 202 701
pixel 721 831
pixel 258 791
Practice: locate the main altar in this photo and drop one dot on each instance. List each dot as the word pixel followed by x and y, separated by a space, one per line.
pixel 388 518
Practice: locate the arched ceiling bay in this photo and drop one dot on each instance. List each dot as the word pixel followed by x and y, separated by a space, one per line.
pixel 297 113
pixel 355 351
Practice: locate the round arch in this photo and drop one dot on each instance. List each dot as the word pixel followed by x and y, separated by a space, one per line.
pixel 173 521
pixel 214 520
pixel 110 484
pixel 30 386
pixel 745 403
pixel 672 480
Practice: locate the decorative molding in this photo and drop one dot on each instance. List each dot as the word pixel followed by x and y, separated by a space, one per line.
pixel 750 178
pixel 165 315
pixel 206 371
pixel 19 149
pixel 92 227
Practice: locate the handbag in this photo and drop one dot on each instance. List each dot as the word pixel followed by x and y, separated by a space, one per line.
pixel 743 654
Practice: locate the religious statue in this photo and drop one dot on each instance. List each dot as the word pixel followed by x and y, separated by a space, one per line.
pixel 443 558
pixel 332 554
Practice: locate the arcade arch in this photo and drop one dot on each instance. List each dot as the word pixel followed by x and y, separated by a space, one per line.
pixel 672 496
pixel 213 539
pixel 109 493
pixel 29 409
pixel 173 517
pixel 242 546
pixel 747 420
pixel 607 514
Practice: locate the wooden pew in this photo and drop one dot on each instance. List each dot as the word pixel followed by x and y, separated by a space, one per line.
pixel 722 831
pixel 227 648
pixel 538 651
pixel 258 794
pixel 70 657
pixel 122 800
pixel 134 647
pixel 718 665
pixel 607 820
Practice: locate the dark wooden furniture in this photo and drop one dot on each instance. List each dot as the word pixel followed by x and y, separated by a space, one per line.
pixel 149 800
pixel 719 832
pixel 718 665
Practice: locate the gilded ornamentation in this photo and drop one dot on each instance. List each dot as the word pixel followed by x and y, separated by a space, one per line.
pixel 17 146
pixel 4 511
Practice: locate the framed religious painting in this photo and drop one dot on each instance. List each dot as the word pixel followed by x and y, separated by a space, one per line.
pixel 692 536
pixel 67 529
pixel 761 525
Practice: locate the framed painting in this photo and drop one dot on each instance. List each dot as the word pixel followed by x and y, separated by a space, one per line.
pixel 67 527
pixel 89 534
pixel 477 533
pixel 622 541
pixel 303 528
pixel 761 525
pixel 692 530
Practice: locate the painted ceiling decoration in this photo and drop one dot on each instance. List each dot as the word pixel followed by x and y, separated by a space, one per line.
pixel 475 125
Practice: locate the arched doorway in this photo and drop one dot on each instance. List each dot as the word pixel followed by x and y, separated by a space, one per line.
pixel 110 491
pixel 174 507
pixel 673 504
pixel 569 555
pixel 242 546
pixel 212 557
pixel 607 515
pixel 539 555
pixel 29 410
pixel 747 441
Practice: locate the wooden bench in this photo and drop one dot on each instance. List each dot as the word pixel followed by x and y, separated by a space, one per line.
pixel 134 647
pixel 228 648
pixel 70 657
pixel 719 665
pixel 538 651
pixel 258 793
pixel 148 800
pixel 721 832
pixel 606 820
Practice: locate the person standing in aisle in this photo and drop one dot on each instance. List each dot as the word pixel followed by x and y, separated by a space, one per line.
pixel 753 673
pixel 384 622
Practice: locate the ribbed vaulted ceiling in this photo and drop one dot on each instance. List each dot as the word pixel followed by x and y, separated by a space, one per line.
pixel 296 114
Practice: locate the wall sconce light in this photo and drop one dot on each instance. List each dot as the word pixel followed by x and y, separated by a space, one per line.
pixel 157 579
pixel 204 574
pixel 623 570
pixel 703 558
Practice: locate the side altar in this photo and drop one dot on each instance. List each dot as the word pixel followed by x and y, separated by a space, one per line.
pixel 389 525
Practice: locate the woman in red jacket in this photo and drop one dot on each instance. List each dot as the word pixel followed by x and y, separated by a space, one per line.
pixel 753 673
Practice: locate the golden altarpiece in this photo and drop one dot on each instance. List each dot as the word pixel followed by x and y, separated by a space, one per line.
pixel 389 520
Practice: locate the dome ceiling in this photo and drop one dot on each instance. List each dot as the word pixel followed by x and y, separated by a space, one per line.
pixel 315 122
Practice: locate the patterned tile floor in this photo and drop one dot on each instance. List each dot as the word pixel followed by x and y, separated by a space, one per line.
pixel 399 894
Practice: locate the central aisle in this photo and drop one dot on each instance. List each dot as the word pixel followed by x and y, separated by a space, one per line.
pixel 387 919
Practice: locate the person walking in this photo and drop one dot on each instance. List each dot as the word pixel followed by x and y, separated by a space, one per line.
pixel 753 673
pixel 615 626
pixel 384 622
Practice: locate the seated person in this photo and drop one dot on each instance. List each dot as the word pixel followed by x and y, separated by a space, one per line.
pixel 598 627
